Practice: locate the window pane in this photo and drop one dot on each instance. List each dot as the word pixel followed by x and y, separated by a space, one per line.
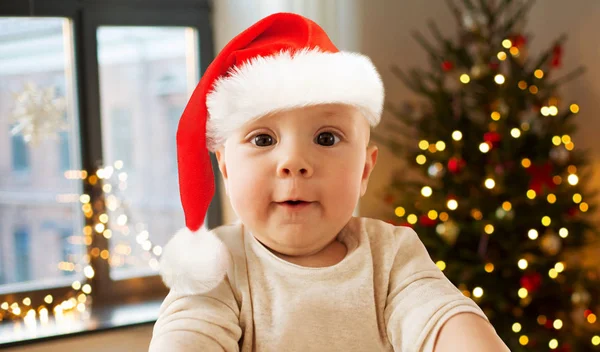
pixel 40 216
pixel 147 74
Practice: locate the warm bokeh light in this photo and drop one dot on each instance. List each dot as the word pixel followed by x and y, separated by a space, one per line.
pixel 452 204
pixel 523 264
pixel 533 234
pixel 400 212
pixel 426 191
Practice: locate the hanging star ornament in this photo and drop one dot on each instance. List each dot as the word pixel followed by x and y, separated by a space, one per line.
pixel 38 114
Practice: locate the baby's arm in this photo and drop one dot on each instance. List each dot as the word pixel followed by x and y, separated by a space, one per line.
pixel 200 322
pixel 421 300
pixel 471 333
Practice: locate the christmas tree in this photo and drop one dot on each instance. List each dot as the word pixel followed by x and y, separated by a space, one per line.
pixel 498 194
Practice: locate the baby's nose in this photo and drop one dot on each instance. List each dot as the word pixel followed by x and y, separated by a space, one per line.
pixel 290 172
pixel 294 164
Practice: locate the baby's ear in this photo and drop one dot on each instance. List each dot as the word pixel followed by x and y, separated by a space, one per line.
pixel 220 153
pixel 370 162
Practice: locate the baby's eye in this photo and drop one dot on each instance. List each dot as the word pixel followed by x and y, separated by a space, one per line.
pixel 263 140
pixel 327 139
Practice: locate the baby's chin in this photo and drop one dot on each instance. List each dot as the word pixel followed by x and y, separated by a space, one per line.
pixel 294 241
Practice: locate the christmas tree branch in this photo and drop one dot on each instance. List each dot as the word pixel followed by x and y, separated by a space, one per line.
pixel 546 55
pixel 568 77
pixel 447 44
pixel 455 11
pixel 405 131
pixel 404 118
pixel 436 32
pixel 402 76
pixel 485 8
pixel 418 79
pixel 517 16
pixel 469 5
pixel 504 6
pixel 425 44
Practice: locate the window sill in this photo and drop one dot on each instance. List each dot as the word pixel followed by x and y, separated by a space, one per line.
pixel 101 319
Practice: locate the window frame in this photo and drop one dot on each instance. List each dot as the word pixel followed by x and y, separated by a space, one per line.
pixel 86 17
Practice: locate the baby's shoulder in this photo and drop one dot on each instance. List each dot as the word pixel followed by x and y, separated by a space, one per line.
pixel 230 233
pixel 232 237
pixel 381 233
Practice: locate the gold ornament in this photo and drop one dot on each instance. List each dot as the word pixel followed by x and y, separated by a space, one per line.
pixel 449 231
pixel 479 70
pixel 581 297
pixel 551 243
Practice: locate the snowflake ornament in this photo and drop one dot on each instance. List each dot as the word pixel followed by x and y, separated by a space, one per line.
pixel 38 114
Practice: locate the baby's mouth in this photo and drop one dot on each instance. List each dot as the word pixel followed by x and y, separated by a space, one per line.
pixel 295 204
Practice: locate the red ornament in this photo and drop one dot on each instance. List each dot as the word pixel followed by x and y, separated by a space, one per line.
pixel 455 165
pixel 564 348
pixel 531 282
pixel 556 56
pixel 493 66
pixel 549 324
pixel 424 220
pixel 518 40
pixel 572 211
pixel 541 175
pixel 492 138
pixel 586 313
pixel 447 65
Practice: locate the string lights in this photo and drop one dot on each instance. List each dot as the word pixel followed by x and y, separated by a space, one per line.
pixel 78 300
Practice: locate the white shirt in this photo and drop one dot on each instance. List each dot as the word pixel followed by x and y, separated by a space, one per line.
pixel 385 295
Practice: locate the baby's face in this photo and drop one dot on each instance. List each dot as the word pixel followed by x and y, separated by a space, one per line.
pixel 295 177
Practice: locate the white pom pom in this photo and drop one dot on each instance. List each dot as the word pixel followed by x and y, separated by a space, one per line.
pixel 194 262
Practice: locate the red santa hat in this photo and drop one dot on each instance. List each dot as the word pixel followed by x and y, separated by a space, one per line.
pixel 283 61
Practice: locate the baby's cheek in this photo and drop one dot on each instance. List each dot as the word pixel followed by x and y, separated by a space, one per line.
pixel 344 190
pixel 247 195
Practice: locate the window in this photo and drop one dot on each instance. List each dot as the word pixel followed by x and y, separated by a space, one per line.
pixel 20 153
pixel 2 265
pixel 115 79
pixel 120 143
pixel 39 125
pixel 174 113
pixel 64 152
pixel 143 72
pixel 70 246
pixel 22 255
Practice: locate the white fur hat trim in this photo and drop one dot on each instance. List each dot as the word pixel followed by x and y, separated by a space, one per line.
pixel 194 262
pixel 309 77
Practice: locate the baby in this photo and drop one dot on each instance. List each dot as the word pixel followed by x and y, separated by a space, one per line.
pixel 289 119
